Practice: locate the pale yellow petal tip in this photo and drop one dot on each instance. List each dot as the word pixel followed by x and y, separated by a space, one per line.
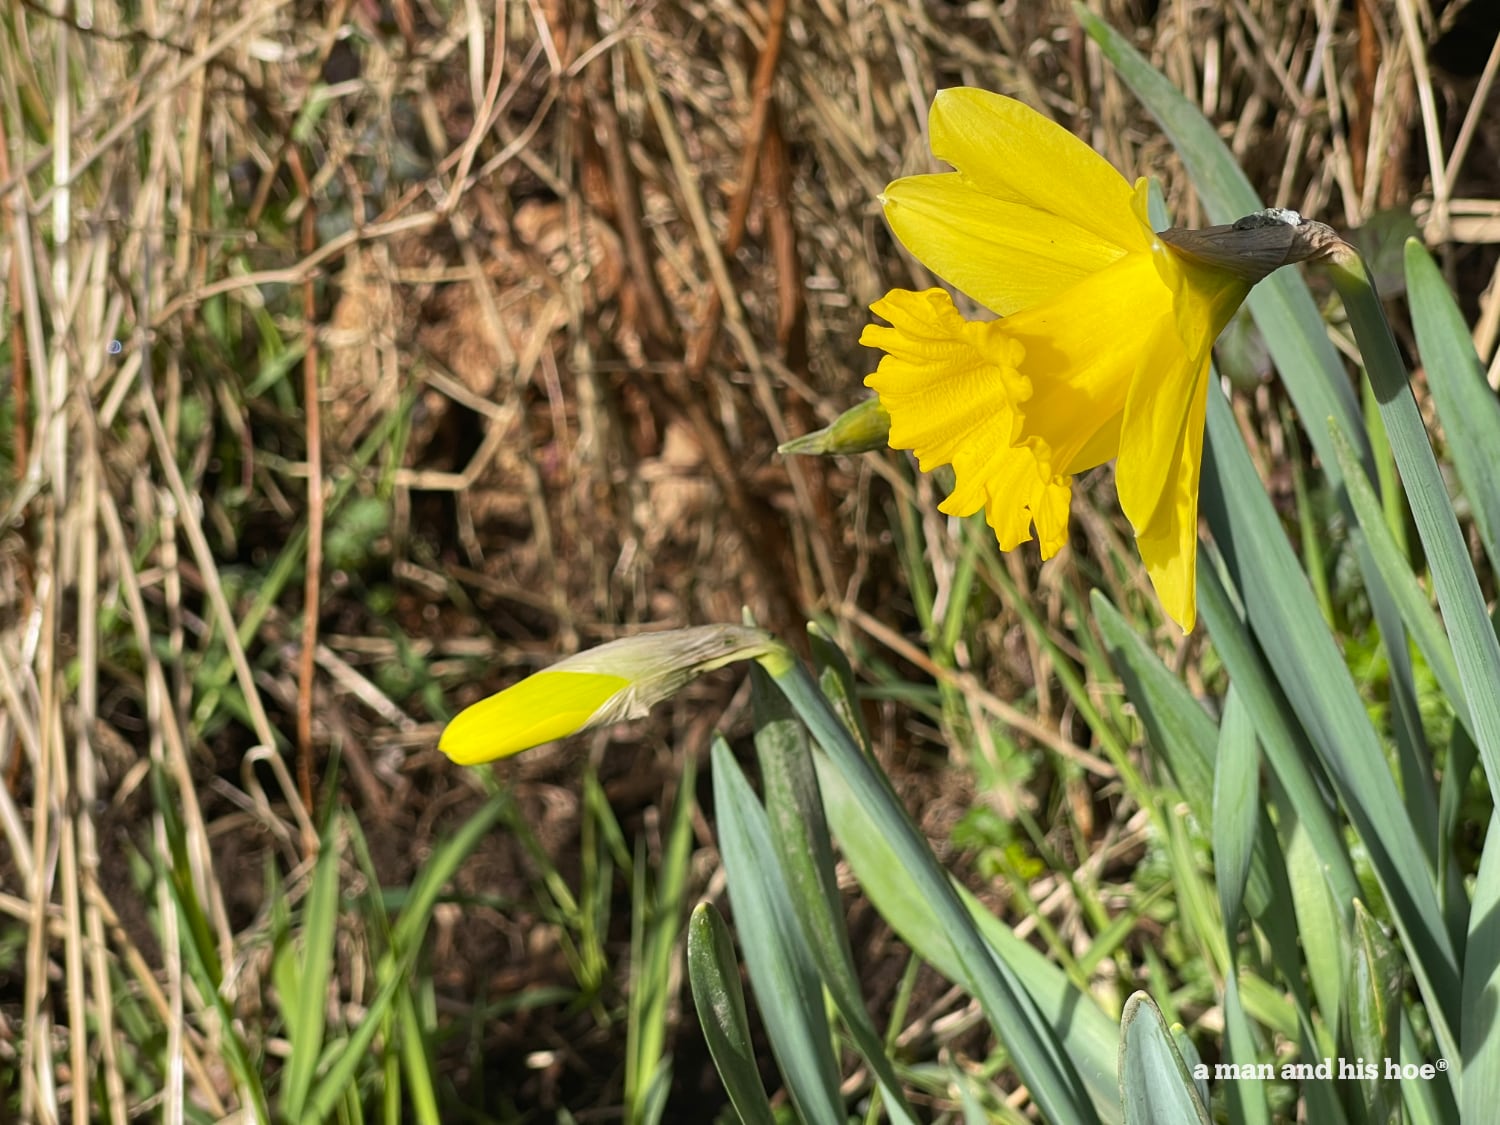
pixel 1174 577
pixel 541 708
pixel 1184 613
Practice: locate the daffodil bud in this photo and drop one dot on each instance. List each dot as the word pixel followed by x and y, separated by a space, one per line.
pixel 1258 244
pixel 859 429
pixel 616 681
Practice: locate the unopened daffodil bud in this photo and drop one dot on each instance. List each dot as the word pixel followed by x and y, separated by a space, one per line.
pixel 614 682
pixel 859 429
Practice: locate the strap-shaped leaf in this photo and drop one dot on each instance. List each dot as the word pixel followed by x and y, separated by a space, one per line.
pixel 1040 1058
pixel 714 975
pixel 1156 1086
pixel 1476 650
pixel 1480 1091
pixel 1466 406
pixel 799 834
pixel 1312 675
pixel 1236 806
pixel 782 972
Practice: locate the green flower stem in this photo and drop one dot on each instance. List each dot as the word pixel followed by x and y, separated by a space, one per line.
pixel 1033 1045
pixel 1475 646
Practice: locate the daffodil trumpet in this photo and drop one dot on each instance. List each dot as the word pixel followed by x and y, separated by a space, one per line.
pixel 1102 344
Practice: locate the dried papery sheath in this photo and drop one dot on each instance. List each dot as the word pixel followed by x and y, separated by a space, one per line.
pixel 1270 217
pixel 1258 244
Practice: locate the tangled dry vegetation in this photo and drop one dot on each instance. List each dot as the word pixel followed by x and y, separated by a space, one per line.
pixel 476 327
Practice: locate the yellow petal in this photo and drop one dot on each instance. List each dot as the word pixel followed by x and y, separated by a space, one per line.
pixel 1010 151
pixel 1005 255
pixel 1169 545
pixel 541 708
pixel 1015 495
pixel 1175 363
pixel 1082 350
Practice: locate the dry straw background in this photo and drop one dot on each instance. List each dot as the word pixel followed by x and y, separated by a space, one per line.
pixel 476 326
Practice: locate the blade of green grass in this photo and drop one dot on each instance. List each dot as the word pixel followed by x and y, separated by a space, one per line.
pixel 393 970
pixel 202 961
pixel 656 924
pixel 415 1059
pixel 318 929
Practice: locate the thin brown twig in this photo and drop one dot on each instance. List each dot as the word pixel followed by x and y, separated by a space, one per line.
pixel 627 213
pixel 759 524
pixel 331 26
pixel 1368 53
pixel 18 387
pixel 18 339
pixel 972 689
pixel 808 476
pixel 739 209
pixel 312 575
pixel 483 119
pixel 234 34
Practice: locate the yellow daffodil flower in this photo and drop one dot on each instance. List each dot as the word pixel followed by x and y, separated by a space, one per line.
pixel 609 684
pixel 1101 350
